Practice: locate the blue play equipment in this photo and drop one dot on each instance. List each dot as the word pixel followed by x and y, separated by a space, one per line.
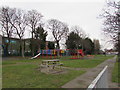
pixel 47 52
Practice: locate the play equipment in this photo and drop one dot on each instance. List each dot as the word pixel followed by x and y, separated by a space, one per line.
pixel 54 53
pixel 36 56
pixel 48 53
pixel 76 53
pixel 90 56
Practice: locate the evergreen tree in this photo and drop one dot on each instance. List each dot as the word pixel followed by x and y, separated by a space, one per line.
pixel 51 45
pixel 88 46
pixel 39 39
pixel 73 41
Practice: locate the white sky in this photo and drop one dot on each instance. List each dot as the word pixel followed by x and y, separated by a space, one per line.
pixel 83 13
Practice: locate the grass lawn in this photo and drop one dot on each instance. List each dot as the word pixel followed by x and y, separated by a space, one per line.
pixel 116 73
pixel 24 76
pixel 86 63
pixel 24 73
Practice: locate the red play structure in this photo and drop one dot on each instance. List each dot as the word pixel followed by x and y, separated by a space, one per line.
pixel 77 54
pixel 80 51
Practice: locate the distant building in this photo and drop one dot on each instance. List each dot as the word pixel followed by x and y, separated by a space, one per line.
pixel 111 52
pixel 14 47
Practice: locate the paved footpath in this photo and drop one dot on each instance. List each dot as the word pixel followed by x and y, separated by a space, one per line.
pixel 84 80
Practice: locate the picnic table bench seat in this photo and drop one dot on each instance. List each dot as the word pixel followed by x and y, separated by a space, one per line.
pixel 60 64
pixel 50 64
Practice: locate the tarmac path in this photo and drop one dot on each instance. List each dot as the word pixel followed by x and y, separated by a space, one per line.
pixel 85 80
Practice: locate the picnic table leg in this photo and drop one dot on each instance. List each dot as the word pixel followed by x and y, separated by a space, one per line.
pixel 53 67
pixel 47 69
pixel 60 67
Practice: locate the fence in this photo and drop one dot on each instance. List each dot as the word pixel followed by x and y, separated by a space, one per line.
pixel 101 81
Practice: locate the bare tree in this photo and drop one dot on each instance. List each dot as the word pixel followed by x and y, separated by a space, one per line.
pixel 34 20
pixel 6 14
pixel 112 22
pixel 59 30
pixel 19 24
pixel 79 31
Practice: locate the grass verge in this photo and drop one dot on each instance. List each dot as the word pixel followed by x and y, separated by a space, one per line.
pixel 116 73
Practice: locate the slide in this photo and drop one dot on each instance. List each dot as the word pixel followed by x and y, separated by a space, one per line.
pixel 36 56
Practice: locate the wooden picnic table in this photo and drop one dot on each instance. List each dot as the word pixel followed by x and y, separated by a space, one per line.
pixel 51 63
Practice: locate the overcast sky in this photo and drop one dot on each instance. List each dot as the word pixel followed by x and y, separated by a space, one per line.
pixel 83 13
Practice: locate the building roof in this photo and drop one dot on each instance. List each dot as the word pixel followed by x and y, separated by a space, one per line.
pixel 22 39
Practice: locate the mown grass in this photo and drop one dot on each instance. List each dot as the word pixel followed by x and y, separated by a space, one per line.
pixel 86 63
pixel 24 73
pixel 116 72
pixel 23 60
pixel 24 76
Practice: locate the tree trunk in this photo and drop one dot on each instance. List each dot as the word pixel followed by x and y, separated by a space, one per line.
pixel 32 45
pixel 58 47
pixel 22 44
pixel 6 50
pixel 39 47
pixel 23 50
pixel 20 48
pixel 119 47
pixel 33 49
pixel 119 33
pixel 7 47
